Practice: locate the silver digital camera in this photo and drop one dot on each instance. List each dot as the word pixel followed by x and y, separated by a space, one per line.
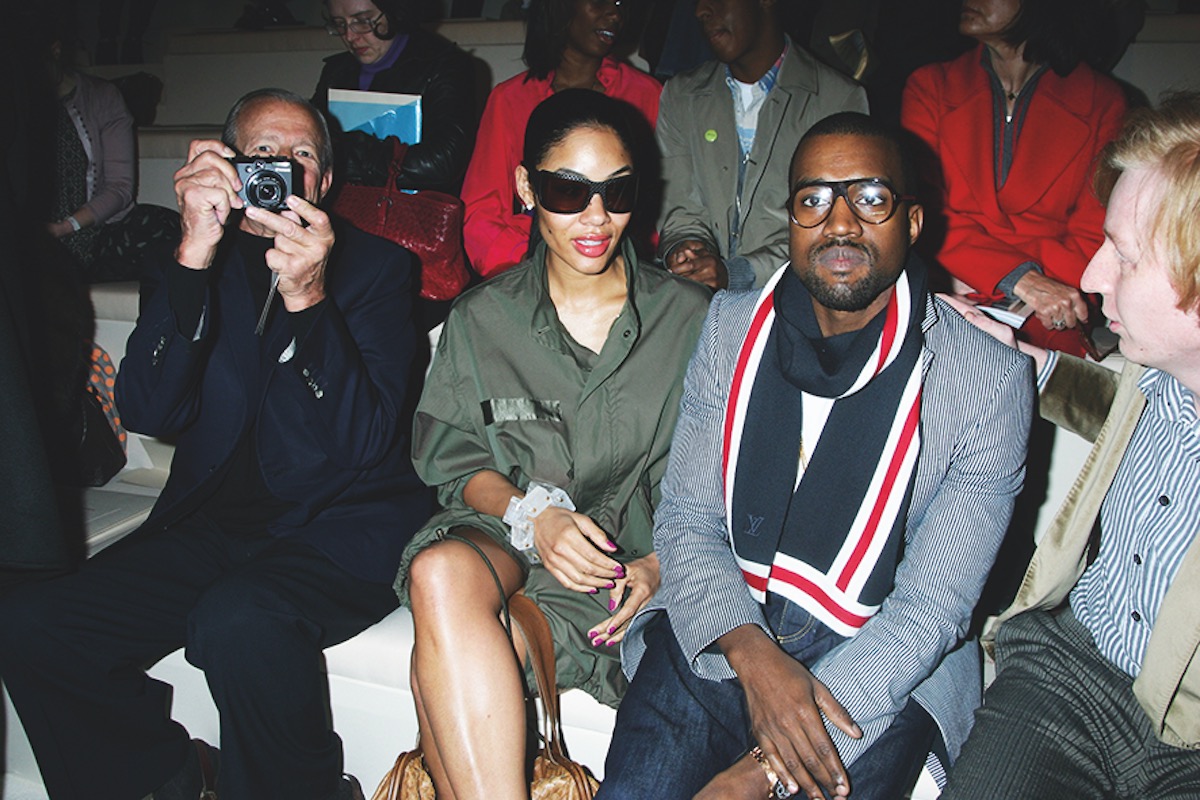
pixel 266 180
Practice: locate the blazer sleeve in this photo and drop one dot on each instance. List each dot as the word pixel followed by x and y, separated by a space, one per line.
pixel 158 383
pixel 495 237
pixel 702 588
pixel 949 550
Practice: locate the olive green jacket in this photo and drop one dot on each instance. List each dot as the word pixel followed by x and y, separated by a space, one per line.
pixel 1101 406
pixel 509 391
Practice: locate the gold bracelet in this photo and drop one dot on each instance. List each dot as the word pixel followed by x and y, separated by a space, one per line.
pixel 777 791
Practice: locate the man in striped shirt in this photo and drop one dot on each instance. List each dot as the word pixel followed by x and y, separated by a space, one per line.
pixel 1098 686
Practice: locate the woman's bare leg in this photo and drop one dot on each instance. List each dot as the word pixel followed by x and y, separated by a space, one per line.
pixel 471 689
pixel 433 758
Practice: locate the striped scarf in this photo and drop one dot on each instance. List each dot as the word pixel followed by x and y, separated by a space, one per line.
pixel 830 542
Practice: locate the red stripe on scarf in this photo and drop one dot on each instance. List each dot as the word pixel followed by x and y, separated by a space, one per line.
pixel 739 372
pixel 755 582
pixel 885 491
pixel 814 591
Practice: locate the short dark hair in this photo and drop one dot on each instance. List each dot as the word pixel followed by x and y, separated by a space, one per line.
pixel 324 147
pixel 1054 32
pixel 563 112
pixel 546 27
pixel 854 123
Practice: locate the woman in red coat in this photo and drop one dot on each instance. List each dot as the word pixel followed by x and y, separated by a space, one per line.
pixel 568 45
pixel 1021 218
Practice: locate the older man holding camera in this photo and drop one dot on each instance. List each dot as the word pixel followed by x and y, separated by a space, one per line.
pixel 290 499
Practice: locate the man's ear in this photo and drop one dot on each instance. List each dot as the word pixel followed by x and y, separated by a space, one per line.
pixel 524 189
pixel 916 220
pixel 326 182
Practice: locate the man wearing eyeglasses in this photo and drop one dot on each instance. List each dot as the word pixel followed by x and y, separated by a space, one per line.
pixel 842 474
pixel 726 131
pixel 275 352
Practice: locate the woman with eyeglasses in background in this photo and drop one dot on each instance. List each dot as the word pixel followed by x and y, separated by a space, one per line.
pixel 568 45
pixel 547 415
pixel 388 52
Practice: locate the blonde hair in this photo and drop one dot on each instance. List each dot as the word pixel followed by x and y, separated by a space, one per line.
pixel 1165 140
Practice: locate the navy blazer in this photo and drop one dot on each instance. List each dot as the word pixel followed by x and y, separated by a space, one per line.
pixel 977 399
pixel 328 412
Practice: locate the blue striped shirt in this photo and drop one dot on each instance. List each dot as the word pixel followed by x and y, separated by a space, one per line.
pixel 1149 519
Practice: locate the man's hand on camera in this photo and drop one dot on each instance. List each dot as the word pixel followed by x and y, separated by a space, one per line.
pixel 300 252
pixel 206 190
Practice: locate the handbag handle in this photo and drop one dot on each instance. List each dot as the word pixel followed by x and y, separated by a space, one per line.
pixel 396 165
pixel 532 623
pixel 521 611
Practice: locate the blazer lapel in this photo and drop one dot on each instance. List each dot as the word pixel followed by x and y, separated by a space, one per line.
pixel 967 141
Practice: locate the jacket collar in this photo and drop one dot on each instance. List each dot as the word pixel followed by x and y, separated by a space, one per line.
pixel 1055 133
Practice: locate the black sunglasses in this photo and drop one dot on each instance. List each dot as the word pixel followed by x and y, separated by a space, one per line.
pixel 570 194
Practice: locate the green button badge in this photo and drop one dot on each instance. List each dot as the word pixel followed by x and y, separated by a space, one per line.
pixel 710 135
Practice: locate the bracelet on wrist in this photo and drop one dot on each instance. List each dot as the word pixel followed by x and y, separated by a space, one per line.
pixel 74 223
pixel 521 512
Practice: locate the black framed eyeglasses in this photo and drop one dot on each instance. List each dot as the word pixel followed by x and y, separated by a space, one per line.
pixel 338 26
pixel 570 194
pixel 873 200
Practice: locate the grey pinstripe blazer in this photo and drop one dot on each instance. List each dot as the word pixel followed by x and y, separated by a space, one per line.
pixel 975 414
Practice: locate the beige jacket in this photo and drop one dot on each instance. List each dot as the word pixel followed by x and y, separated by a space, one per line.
pixel 1077 397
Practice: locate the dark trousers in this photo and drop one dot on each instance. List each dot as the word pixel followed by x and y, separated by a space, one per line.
pixel 254 614
pixel 675 731
pixel 1060 720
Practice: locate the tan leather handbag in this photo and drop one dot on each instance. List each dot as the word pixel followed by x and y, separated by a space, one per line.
pixel 555 777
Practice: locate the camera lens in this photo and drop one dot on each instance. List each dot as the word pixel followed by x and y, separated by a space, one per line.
pixel 266 190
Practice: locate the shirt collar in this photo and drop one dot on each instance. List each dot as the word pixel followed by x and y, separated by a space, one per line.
pixel 1170 399
pixel 767 82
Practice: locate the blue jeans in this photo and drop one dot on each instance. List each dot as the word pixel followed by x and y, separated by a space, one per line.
pixel 675 731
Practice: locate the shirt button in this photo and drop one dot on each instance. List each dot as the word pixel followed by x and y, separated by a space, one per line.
pixel 1163 500
pixel 628 334
pixel 1136 616
pixel 1137 559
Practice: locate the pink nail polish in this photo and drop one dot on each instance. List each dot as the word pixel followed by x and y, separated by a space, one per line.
pixel 619 570
pixel 596 642
pixel 593 591
pixel 612 605
pixel 609 644
pixel 613 629
pixel 611 585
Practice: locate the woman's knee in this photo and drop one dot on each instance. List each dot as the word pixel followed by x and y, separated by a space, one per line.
pixel 452 576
